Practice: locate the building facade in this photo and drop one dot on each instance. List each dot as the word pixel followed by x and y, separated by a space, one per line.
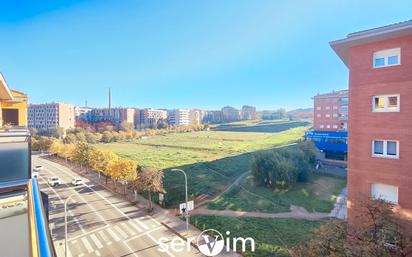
pixel 13 106
pixel 82 113
pixel 196 116
pixel 248 112
pixel 113 115
pixel 380 106
pixel 230 114
pixel 178 117
pixel 331 111
pixel 213 117
pixel 147 118
pixel 51 116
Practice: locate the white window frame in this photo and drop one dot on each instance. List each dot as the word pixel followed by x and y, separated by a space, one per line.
pixel 384 54
pixel 382 197
pixel 385 149
pixel 318 108
pixel 335 126
pixel 321 126
pixel 386 108
pixel 327 115
pixel 327 107
pixel 318 115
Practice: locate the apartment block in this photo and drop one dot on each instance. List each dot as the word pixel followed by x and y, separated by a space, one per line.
pixel 331 111
pixel 113 115
pixel 82 113
pixel 213 117
pixel 380 135
pixel 51 115
pixel 196 116
pixel 248 112
pixel 231 114
pixel 178 117
pixel 13 105
pixel 147 118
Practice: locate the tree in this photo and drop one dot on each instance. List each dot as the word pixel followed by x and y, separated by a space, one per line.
pixel 149 180
pixel 378 231
pixel 100 161
pixel 45 143
pixel 70 139
pixel 82 154
pixel 126 126
pixel 123 170
pixel 107 137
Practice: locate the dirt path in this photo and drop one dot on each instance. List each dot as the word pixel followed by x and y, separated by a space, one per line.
pixel 295 213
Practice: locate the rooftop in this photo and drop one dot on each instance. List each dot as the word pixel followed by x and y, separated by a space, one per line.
pixel 341 46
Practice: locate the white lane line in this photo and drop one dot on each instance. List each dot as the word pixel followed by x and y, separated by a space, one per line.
pixel 154 240
pixel 141 223
pixel 104 237
pixel 97 253
pixel 115 237
pixel 90 232
pixel 87 245
pixel 128 229
pixel 61 200
pixel 81 255
pixel 123 234
pixel 147 232
pixel 135 226
pixel 115 207
pixel 74 241
pixel 96 241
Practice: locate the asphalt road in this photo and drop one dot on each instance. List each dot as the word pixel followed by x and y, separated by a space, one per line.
pixel 99 222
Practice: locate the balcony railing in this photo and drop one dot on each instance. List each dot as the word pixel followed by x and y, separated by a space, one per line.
pixel 23 221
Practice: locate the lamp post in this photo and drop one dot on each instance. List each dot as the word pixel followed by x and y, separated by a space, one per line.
pixel 187 212
pixel 65 217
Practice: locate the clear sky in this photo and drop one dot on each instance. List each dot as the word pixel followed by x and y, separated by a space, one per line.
pixel 168 54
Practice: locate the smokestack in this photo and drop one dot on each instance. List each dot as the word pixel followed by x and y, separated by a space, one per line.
pixel 110 99
pixel 85 103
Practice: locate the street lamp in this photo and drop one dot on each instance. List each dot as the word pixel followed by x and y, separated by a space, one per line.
pixel 187 212
pixel 65 217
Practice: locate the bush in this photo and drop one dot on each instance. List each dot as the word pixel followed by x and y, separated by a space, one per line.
pixel 281 168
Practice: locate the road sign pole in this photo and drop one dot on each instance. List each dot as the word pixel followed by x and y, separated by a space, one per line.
pixel 187 211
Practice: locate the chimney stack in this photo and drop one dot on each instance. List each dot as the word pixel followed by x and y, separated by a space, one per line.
pixel 110 99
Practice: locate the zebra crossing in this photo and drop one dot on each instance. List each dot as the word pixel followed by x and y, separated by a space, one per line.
pixel 91 244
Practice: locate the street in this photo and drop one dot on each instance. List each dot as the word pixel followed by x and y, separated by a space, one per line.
pixel 99 222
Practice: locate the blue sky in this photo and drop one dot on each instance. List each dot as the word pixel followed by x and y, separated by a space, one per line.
pixel 168 54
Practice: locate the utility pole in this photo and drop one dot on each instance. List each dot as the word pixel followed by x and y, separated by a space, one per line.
pixel 186 211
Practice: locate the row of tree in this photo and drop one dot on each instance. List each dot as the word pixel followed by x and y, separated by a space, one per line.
pixel 111 166
pixel 282 167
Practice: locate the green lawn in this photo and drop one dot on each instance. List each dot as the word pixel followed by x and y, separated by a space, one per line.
pixel 264 126
pixel 318 195
pixel 273 237
pixel 212 159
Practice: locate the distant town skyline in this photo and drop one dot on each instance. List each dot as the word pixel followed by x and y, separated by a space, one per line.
pixel 182 54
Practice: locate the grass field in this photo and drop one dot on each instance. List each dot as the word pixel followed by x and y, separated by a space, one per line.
pixel 316 196
pixel 273 237
pixel 212 159
pixel 264 126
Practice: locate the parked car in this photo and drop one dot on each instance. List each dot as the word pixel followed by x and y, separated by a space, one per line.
pixel 38 168
pixel 54 181
pixel 35 174
pixel 77 181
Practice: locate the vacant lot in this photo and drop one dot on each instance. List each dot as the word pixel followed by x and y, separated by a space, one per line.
pixel 212 159
pixel 266 126
pixel 316 196
pixel 273 237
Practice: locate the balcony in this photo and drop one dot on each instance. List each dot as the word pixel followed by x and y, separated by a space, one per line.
pixel 23 220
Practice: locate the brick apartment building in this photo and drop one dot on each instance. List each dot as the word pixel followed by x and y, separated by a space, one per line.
pixel 231 114
pixel 178 117
pixel 331 111
pixel 113 115
pixel 248 112
pixel 147 118
pixel 51 116
pixel 380 125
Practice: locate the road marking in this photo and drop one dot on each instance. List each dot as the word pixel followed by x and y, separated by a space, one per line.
pixel 104 237
pixel 96 241
pixel 135 226
pixel 87 244
pixel 141 223
pixel 74 241
pixel 128 229
pixel 120 231
pixel 97 253
pixel 81 255
pixel 116 238
pixel 90 232
pixel 145 233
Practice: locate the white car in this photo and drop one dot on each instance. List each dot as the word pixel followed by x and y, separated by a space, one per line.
pixel 77 181
pixel 38 168
pixel 54 181
pixel 35 174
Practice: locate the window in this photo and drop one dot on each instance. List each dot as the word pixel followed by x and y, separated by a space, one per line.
pixel 335 126
pixel 384 192
pixel 327 115
pixel 385 148
pixel 386 103
pixel 318 108
pixel 343 109
pixel 388 57
pixel 321 126
pixel 318 115
pixel 327 107
pixel 344 100
pixel 335 115
pixel 327 126
pixel 335 107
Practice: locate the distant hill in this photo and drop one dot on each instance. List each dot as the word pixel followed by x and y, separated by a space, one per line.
pixel 301 113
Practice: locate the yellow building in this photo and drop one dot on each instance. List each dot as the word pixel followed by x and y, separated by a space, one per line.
pixel 13 105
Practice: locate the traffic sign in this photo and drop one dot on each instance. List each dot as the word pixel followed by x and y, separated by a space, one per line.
pixel 190 207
